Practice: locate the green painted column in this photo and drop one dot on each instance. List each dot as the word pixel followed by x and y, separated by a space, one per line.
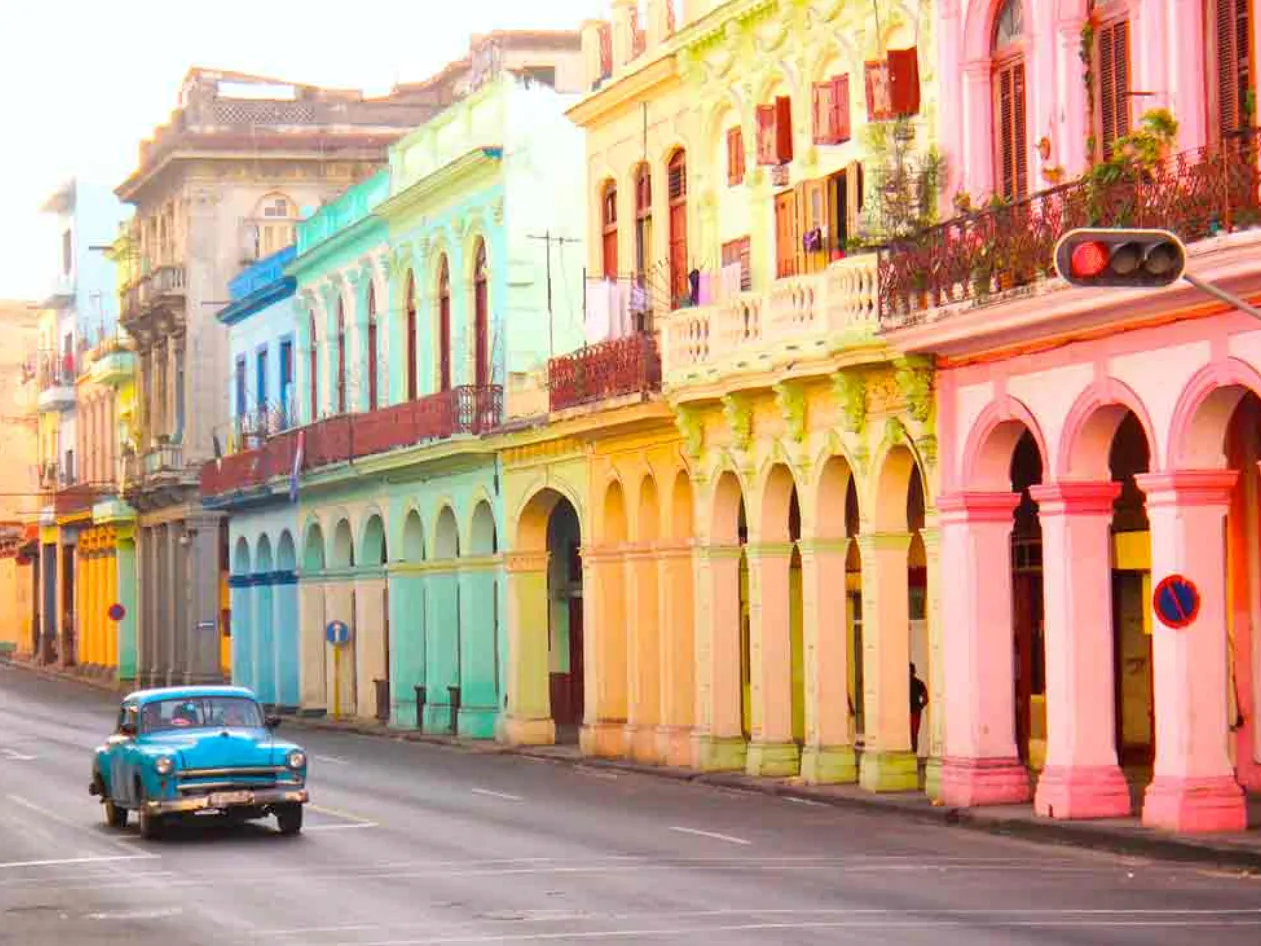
pixel 442 646
pixel 479 660
pixel 407 644
pixel 127 598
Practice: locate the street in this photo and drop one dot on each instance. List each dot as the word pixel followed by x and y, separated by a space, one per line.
pixel 417 844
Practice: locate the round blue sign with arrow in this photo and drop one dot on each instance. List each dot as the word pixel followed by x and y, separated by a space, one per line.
pixel 337 633
pixel 1176 601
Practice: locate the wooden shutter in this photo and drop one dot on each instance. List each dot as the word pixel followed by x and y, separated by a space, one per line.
pixel 840 106
pixel 1230 67
pixel 876 78
pixel 765 115
pixel 606 50
pixel 853 198
pixel 1011 153
pixel 904 81
pixel 783 129
pixel 823 112
pixel 815 213
pixel 1114 84
pixel 735 156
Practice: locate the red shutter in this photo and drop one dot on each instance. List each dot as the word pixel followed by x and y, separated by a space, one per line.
pixel 1010 149
pixel 823 113
pixel 1114 84
pixel 606 50
pixel 765 115
pixel 840 104
pixel 876 77
pixel 735 156
pixel 783 129
pixel 1020 139
pixel 904 81
pixel 1231 65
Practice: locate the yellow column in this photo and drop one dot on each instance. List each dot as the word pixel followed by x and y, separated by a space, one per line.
pixel 643 648
pixel 528 720
pixel 828 754
pixel 111 596
pixel 772 750
pixel 676 573
pixel 604 655
pixel 720 743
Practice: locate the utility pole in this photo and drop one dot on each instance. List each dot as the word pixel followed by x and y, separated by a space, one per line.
pixel 548 240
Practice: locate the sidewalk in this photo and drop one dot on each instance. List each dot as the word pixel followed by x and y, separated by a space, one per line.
pixel 1121 835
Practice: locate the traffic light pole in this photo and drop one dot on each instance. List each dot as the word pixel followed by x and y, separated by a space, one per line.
pixel 1221 294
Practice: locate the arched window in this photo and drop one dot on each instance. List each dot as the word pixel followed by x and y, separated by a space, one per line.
pixel 314 370
pixel 444 325
pixel 608 202
pixel 372 347
pixel 481 319
pixel 643 218
pixel 676 179
pixel 273 223
pixel 413 383
pixel 341 357
pixel 1011 152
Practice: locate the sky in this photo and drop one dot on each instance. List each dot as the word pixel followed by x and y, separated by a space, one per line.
pixel 83 81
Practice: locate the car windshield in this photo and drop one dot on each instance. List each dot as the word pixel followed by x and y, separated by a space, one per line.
pixel 200 713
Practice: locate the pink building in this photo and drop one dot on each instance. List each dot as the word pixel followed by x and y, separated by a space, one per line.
pixel 1092 443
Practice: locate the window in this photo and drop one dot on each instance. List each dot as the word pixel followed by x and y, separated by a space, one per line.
pixel 260 379
pixel 444 325
pixel 775 132
pixel 1011 157
pixel 735 156
pixel 314 370
pixel 1228 26
pixel 736 253
pixel 831 111
pixel 1112 75
pixel 676 188
pixel 372 348
pixel 608 203
pixel 481 319
pixel 286 380
pixel 643 218
pixel 201 713
pixel 240 387
pixel 413 385
pixel 341 357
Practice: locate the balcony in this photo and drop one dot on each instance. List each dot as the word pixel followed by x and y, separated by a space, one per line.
pixel 463 410
pixel 56 379
pixel 112 362
pixel 162 459
pixel 799 317
pixel 77 498
pixel 161 288
pixel 624 366
pixel 981 258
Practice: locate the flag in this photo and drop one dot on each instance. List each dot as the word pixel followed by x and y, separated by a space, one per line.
pixel 297 466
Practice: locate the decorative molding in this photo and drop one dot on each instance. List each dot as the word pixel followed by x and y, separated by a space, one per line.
pixel 927 448
pixel 691 425
pixel 791 400
pixel 894 433
pixel 738 412
pixel 915 383
pixel 851 393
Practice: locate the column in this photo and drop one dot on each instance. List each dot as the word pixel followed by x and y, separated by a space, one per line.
pixel 888 765
pixel 604 652
pixel 643 655
pixel 305 410
pixel 720 743
pixel 981 765
pixel 369 642
pixel 479 658
pixel 1193 786
pixel 285 624
pixel 934 726
pixel 407 642
pixel 312 682
pixel 828 753
pixel 1081 778
pixel 443 643
pixel 148 616
pixel 339 662
pixel 528 720
pixel 241 596
pixel 357 353
pixel 177 593
pixel 977 149
pixel 128 665
pixel 264 639
pixel 163 625
pixel 772 750
pixel 676 572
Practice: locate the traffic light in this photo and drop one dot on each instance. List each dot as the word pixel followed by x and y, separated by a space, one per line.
pixel 1131 259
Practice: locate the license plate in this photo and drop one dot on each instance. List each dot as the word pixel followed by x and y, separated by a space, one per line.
pixel 227 799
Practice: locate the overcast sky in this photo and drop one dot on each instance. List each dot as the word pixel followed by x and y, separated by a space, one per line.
pixel 83 81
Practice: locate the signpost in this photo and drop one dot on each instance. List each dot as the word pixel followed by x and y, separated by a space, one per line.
pixel 1176 601
pixel 116 612
pixel 337 633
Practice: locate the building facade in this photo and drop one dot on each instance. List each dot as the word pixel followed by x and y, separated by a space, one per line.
pixel 1093 443
pixel 19 478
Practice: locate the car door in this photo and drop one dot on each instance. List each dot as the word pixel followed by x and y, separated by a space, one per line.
pixel 120 781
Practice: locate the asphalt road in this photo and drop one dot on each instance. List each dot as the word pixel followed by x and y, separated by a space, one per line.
pixel 416 844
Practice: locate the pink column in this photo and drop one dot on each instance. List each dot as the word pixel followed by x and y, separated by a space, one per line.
pixel 1193 786
pixel 981 765
pixel 978 140
pixel 1069 151
pixel 1081 778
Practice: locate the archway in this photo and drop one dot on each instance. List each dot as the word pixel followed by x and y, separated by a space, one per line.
pixel 564 593
pixel 1028 612
pixel 264 651
pixel 314 609
pixel 288 677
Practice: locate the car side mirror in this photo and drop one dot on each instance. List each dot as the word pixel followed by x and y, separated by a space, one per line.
pixel 128 730
pixel 272 722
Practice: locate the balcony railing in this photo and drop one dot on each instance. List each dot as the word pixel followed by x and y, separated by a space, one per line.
pixel 1197 194
pixel 610 369
pixel 463 410
pixel 162 285
pixel 77 498
pixel 56 371
pixel 164 458
pixel 797 315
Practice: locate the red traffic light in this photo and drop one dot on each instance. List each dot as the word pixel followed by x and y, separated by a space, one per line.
pixel 1132 259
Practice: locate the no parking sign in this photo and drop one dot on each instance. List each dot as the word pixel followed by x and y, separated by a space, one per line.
pixel 1176 601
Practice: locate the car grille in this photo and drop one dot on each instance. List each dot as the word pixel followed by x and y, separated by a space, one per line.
pixel 200 781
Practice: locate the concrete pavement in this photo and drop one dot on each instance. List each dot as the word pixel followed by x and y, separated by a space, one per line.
pixel 417 844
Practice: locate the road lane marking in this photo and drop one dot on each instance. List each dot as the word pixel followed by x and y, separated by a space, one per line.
pixel 487 792
pixel 60 861
pixel 15 756
pixel 340 814
pixel 710 834
pixel 341 827
pixel 330 759
pixel 804 801
pixel 160 913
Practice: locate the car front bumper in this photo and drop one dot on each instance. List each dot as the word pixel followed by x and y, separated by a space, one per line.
pixel 225 801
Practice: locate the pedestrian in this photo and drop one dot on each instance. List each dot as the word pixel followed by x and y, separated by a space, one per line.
pixel 919 699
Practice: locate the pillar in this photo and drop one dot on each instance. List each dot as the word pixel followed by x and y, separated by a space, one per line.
pixel 312 677
pixel 479 657
pixel 528 720
pixel 888 765
pixel 643 658
pixel 407 642
pixel 936 710
pixel 720 743
pixel 981 765
pixel 286 630
pixel 444 643
pixel 604 652
pixel 368 642
pixel 977 141
pixel 241 595
pixel 1081 778
pixel 828 753
pixel 339 662
pixel 264 653
pixel 128 666
pixel 772 750
pixel 1193 785
pixel 676 635
pixel 146 630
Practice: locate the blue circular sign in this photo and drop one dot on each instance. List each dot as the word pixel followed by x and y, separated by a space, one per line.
pixel 1176 601
pixel 337 633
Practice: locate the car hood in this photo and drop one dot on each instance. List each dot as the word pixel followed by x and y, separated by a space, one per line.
pixel 221 748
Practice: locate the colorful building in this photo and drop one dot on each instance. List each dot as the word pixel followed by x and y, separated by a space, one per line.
pixel 1093 443
pixel 19 477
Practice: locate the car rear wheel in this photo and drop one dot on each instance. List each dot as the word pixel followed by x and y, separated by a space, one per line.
pixel 115 815
pixel 289 818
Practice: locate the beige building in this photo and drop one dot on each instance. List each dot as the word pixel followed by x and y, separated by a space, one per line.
pixel 19 479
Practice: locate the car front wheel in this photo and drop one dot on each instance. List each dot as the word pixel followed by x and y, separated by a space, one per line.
pixel 150 824
pixel 289 818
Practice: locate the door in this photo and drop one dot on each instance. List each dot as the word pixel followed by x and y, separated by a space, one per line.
pixel 785 235
pixel 576 676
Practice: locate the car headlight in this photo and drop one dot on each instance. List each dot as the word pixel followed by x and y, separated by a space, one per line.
pixel 296 759
pixel 164 766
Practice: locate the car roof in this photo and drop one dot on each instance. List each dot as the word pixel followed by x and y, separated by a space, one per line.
pixel 188 693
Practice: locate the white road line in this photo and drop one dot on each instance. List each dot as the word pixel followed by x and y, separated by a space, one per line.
pixel 490 794
pixel 158 914
pixel 14 756
pixel 58 862
pixel 341 827
pixel 803 801
pixel 331 759
pixel 710 834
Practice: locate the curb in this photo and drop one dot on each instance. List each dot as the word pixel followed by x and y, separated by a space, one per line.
pixel 1081 834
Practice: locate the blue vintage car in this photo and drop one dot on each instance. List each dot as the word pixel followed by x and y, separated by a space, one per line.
pixel 183 751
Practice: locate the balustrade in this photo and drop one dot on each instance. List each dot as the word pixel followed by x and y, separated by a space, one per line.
pixel 614 368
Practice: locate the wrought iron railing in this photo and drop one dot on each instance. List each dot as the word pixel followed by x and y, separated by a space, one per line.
pixel 630 365
pixel 1197 194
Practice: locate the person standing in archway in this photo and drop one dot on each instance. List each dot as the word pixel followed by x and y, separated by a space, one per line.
pixel 919 699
